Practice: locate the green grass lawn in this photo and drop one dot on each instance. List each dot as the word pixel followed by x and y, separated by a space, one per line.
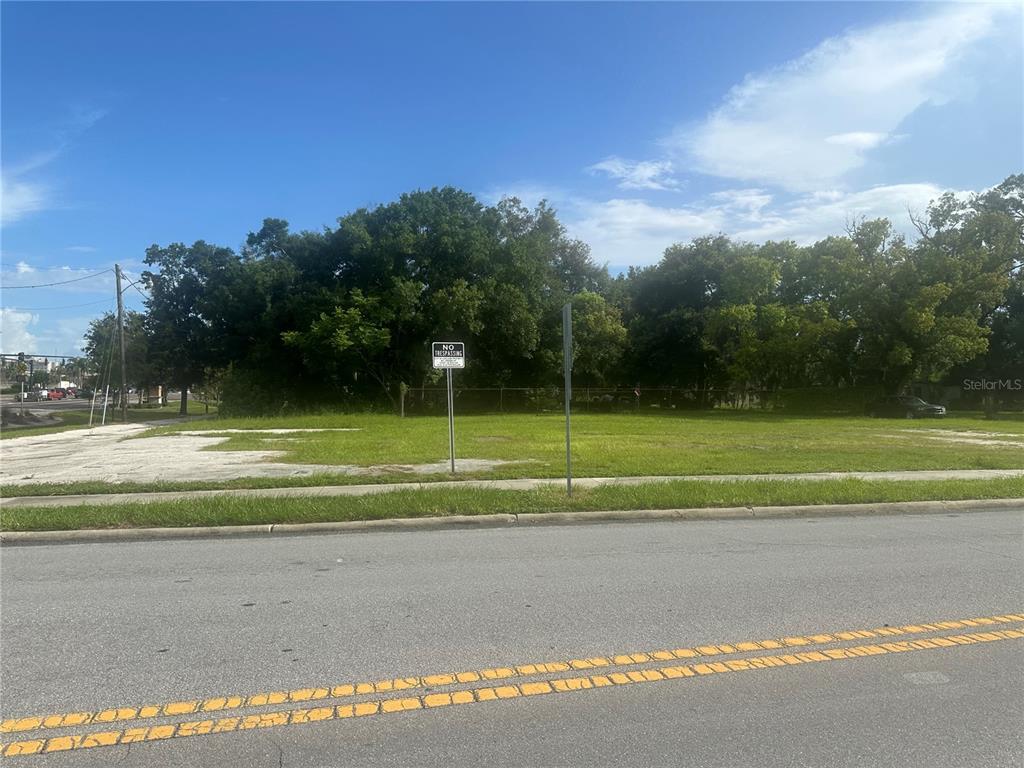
pixel 674 444
pixel 638 444
pixel 475 501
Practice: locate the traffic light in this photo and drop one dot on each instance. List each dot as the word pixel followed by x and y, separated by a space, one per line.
pixel 21 357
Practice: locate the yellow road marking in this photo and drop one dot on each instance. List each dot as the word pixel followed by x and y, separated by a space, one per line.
pixel 221 703
pixel 477 695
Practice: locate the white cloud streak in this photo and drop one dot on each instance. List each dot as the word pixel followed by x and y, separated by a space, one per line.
pixel 24 273
pixel 528 193
pixel 624 232
pixel 646 174
pixel 22 192
pixel 790 137
pixel 19 198
pixel 805 125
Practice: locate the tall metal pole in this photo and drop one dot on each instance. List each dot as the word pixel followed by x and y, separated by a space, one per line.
pixel 106 396
pixel 567 364
pixel 120 327
pixel 451 421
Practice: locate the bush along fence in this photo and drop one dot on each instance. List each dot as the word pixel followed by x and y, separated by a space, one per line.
pixel 805 401
pixel 433 400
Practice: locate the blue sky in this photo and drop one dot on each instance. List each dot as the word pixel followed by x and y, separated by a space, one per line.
pixel 127 124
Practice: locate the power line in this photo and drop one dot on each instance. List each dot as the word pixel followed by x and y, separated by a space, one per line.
pixel 50 285
pixel 37 355
pixel 143 295
pixel 133 283
pixel 65 306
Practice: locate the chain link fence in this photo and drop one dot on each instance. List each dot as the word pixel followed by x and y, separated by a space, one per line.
pixel 433 400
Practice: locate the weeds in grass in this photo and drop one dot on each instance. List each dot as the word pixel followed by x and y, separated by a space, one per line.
pixel 476 501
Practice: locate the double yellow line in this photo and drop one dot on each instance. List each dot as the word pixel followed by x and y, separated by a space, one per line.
pixel 989 626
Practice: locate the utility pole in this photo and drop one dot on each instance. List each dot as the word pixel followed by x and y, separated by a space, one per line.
pixel 567 366
pixel 120 328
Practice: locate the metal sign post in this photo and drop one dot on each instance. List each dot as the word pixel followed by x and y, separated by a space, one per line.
pixel 567 364
pixel 451 420
pixel 449 355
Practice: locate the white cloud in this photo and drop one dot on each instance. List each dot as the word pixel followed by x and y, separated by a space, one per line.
pixel 636 232
pixel 14 331
pixel 528 193
pixel 64 335
pixel 861 140
pixel 21 191
pixel 806 124
pixel 813 217
pixel 748 202
pixel 624 231
pixel 82 248
pixel 646 174
pixel 19 198
pixel 24 274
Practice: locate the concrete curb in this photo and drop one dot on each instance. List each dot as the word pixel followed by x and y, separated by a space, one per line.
pixel 24 538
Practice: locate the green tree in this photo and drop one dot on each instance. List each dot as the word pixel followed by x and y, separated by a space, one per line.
pixel 599 339
pixel 345 341
pixel 179 311
pixel 103 355
pixel 671 304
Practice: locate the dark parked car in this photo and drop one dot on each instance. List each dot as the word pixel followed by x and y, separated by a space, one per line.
pixel 905 407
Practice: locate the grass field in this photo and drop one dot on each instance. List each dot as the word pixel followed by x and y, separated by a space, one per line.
pixel 612 445
pixel 475 501
pixel 641 444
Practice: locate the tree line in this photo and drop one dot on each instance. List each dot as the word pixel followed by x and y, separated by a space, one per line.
pixel 346 315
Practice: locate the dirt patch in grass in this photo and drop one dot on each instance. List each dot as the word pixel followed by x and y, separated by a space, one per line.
pixel 967 438
pixel 438 467
pixel 107 454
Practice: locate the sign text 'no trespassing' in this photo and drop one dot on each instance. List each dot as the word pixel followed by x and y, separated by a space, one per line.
pixel 449 354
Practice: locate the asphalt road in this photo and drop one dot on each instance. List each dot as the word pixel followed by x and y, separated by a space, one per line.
pixel 51 406
pixel 96 626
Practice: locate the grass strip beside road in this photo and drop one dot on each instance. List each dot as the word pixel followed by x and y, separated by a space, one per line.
pixel 442 502
pixel 236 484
